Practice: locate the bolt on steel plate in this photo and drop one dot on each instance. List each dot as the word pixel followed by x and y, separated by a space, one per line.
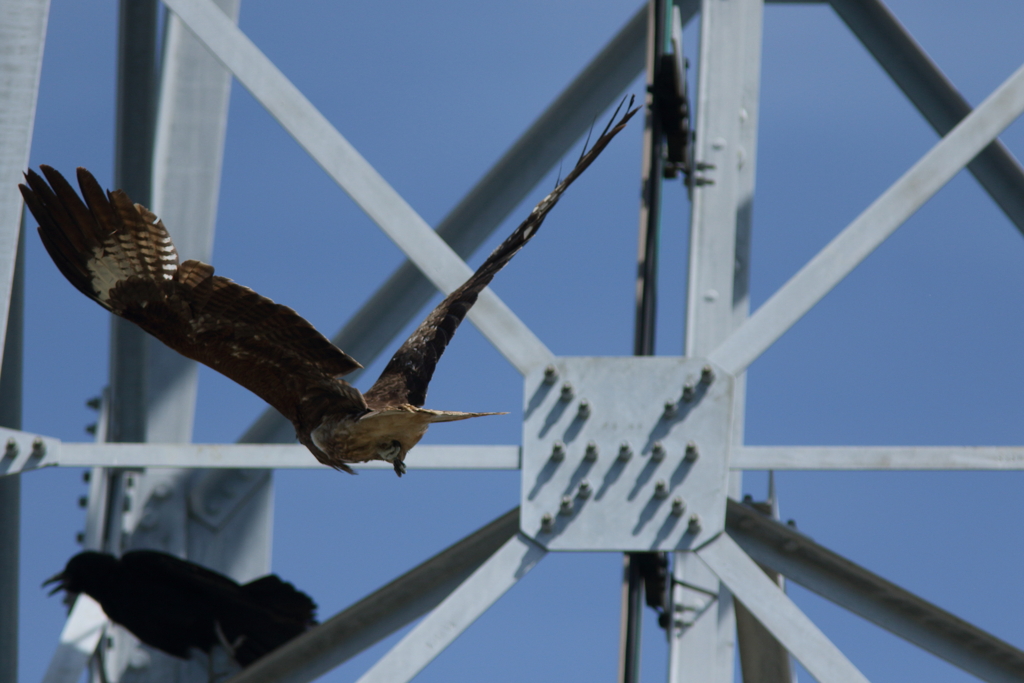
pixel 626 454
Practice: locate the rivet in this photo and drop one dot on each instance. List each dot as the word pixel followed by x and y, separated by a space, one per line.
pixel 692 453
pixel 625 451
pixel 707 375
pixel 547 522
pixel 550 374
pixel 80 537
pixel 86 476
pixel 11 449
pixel 584 409
pixel 661 489
pixel 565 507
pixel 657 451
pixel 584 490
pixel 791 522
pixel 83 501
pixel 590 455
pixel 567 391
pixel 678 507
pixel 688 391
pixel 693 526
pixel 670 408
pixel 38 448
pixel 558 451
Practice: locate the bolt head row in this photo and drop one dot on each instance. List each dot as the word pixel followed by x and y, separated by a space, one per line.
pixel 658 451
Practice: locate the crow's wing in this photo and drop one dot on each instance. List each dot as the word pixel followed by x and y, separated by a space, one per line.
pixel 407 375
pixel 119 254
pixel 282 598
pixel 255 618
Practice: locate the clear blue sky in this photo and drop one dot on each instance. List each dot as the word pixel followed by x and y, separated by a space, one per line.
pixel 921 345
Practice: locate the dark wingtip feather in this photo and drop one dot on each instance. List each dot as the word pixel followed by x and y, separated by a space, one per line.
pixel 408 374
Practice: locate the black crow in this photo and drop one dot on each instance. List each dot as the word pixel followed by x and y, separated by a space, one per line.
pixel 173 605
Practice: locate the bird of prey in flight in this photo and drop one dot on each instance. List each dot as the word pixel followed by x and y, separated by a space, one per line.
pixel 119 255
pixel 175 605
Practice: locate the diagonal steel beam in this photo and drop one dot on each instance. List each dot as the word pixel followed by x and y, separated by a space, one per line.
pixel 353 173
pixel 380 614
pixel 877 458
pixel 460 609
pixel 834 577
pixel 777 613
pixel 934 95
pixel 78 641
pixel 488 203
pixel 872 227
pixel 22 35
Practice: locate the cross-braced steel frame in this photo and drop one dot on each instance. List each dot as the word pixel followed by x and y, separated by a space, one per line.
pixel 719 588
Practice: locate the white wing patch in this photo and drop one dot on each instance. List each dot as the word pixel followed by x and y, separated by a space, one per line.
pixel 105 274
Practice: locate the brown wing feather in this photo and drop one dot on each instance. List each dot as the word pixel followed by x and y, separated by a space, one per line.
pixel 407 375
pixel 120 255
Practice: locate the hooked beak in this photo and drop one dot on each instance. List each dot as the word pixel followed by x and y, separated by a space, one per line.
pixel 56 578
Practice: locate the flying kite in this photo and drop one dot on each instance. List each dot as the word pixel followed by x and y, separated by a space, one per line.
pixel 119 255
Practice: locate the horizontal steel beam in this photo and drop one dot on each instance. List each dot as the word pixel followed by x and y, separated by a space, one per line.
pixel 934 95
pixel 878 458
pixel 357 177
pixel 31 452
pixel 872 227
pixel 492 199
pixel 777 613
pixel 380 614
pixel 832 576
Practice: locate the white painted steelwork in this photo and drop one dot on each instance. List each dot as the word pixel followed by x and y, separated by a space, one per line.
pixel 628 473
pixel 873 226
pixel 769 604
pixel 454 615
pixel 353 173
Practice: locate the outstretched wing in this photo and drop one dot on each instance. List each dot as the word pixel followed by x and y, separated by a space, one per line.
pixel 119 255
pixel 407 375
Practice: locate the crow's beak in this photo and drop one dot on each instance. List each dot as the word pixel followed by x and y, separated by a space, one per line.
pixel 57 579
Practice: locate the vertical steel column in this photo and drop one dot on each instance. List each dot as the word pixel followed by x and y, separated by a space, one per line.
pixel 646 309
pixel 22 35
pixel 703 632
pixel 133 159
pixel 10 487
pixel 219 518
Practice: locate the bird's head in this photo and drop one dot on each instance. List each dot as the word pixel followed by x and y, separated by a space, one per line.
pixel 84 572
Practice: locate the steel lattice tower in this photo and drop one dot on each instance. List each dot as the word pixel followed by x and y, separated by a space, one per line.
pixel 605 467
